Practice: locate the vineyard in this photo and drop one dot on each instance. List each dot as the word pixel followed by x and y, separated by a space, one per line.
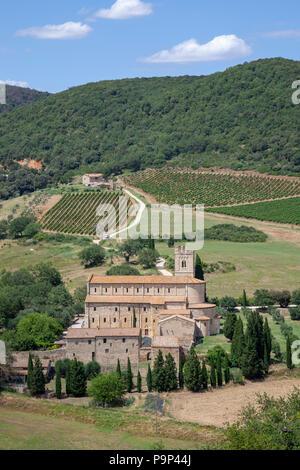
pixel 284 211
pixel 211 189
pixel 75 213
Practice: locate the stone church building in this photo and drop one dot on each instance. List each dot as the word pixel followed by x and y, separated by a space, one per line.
pixel 128 316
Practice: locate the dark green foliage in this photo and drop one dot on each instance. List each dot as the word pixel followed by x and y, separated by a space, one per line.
pixel 19 96
pixel 296 297
pixel 171 242
pixel 245 302
pixel 219 372
pixel 268 339
pixel 92 369
pixel 107 389
pixel 123 270
pixel 118 371
pixel 77 379
pixel 204 376
pixel 192 372
pixel 147 257
pixel 181 375
pixel 283 298
pixel 229 325
pixel 295 313
pixel 263 297
pixel 130 248
pixel 92 256
pixel 129 377
pixel 276 350
pixel 234 233
pixel 252 361
pixel 58 384
pixel 227 371
pixel 199 274
pixel 139 382
pixel 289 362
pixel 29 371
pixel 228 302
pixel 68 380
pixel 37 381
pixel 269 424
pixel 158 373
pixel 212 376
pixel 238 343
pixel 266 358
pixel 170 373
pixel 149 379
pixel 63 365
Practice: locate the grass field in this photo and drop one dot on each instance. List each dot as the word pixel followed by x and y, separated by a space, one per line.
pixel 27 423
pixel 286 211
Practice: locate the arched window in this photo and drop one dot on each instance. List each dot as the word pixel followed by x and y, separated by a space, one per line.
pixel 183 264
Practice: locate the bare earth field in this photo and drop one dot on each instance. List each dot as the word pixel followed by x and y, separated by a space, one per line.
pixel 224 404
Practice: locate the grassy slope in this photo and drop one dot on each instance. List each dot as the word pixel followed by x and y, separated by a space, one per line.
pixel 26 423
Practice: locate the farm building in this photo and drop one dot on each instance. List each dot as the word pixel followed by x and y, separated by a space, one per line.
pixel 94 180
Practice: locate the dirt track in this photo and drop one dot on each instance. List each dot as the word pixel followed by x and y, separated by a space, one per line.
pixel 223 405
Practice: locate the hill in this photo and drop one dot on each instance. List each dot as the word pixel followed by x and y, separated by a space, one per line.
pixel 17 96
pixel 242 118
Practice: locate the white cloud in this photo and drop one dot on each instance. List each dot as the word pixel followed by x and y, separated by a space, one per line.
pixel 220 48
pixel 288 33
pixel 14 83
pixel 125 9
pixel 68 30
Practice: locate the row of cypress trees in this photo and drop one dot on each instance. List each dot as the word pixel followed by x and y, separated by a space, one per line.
pixel 76 380
pixel 35 376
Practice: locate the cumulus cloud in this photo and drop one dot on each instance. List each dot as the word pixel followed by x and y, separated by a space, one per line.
pixel 14 83
pixel 125 9
pixel 220 48
pixel 69 30
pixel 288 33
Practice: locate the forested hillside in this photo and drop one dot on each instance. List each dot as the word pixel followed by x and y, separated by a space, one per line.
pixel 17 96
pixel 242 118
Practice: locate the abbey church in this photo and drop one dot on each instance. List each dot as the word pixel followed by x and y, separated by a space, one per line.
pixel 135 316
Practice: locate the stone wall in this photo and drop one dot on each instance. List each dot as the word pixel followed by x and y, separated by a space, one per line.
pixel 53 355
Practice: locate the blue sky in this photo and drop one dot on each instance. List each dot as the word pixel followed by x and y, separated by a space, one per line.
pixel 55 45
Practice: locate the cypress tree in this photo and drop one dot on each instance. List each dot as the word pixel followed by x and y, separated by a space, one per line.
pixel 229 325
pixel 266 359
pixel 199 274
pixel 170 373
pixel 159 375
pixel 118 371
pixel 68 380
pixel 181 376
pixel 219 371
pixel 213 379
pixel 77 379
pixel 204 376
pixel 252 361
pixel 289 362
pixel 238 343
pixel 37 381
pixel 58 384
pixel 244 299
pixel 227 371
pixel 191 371
pixel 149 379
pixel 129 377
pixel 134 318
pixel 29 371
pixel 268 339
pixel 139 382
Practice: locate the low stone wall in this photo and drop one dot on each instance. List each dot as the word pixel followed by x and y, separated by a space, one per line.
pixel 53 355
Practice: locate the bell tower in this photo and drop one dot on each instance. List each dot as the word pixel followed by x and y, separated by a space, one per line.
pixel 184 262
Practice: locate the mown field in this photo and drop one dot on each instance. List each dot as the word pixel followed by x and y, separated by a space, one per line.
pixel 27 423
pixel 211 189
pixel 76 213
pixel 286 211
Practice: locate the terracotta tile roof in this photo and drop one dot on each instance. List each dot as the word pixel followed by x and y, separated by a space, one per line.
pixel 165 342
pixel 128 299
pixel 204 305
pixel 23 363
pixel 169 280
pixel 82 333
